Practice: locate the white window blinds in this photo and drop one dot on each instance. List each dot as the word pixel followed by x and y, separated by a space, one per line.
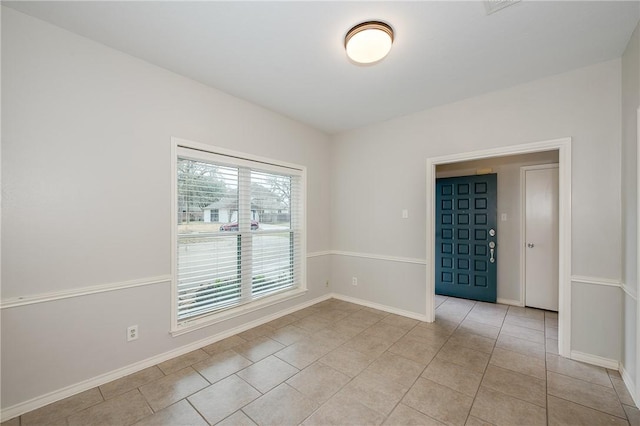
pixel 239 232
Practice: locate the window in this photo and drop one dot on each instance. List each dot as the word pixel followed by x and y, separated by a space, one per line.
pixel 238 232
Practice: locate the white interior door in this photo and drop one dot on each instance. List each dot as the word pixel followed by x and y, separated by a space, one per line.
pixel 541 236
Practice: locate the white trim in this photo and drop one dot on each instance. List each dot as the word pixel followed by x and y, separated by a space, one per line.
pixel 563 146
pixel 509 302
pixel 628 381
pixel 596 281
pixel 319 253
pixel 13 302
pixel 381 257
pixel 636 388
pixel 385 308
pixel 595 360
pixel 57 395
pixel 523 223
pixel 628 292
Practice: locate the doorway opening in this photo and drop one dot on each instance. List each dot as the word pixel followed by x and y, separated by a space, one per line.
pixel 563 149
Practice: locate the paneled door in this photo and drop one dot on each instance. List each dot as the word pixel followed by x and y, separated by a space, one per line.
pixel 466 249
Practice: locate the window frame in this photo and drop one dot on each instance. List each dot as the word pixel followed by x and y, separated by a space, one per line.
pixel 204 152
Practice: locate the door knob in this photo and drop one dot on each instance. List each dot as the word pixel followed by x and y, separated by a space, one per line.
pixel 530 245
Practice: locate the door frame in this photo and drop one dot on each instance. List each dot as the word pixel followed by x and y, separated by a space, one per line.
pixel 563 146
pixel 523 215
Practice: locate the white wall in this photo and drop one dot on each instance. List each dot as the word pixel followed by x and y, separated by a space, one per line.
pixel 86 157
pixel 629 167
pixel 509 202
pixel 385 165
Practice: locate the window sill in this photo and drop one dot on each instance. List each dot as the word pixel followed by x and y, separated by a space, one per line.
pixel 196 324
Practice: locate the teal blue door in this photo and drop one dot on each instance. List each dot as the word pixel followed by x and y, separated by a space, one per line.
pixel 466 251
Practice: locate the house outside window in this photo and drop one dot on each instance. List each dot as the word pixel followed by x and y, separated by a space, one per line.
pixel 238 234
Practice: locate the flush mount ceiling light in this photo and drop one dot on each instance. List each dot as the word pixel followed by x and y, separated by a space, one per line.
pixel 368 42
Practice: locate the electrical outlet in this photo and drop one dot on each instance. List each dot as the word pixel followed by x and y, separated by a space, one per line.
pixel 132 333
pixel 354 281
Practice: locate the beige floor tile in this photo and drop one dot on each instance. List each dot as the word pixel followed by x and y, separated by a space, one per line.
pixel 518 362
pixel 517 385
pixel 312 323
pixel 415 349
pixel 282 321
pixel 62 409
pixel 223 398
pixel 440 299
pixel 319 382
pixel 303 353
pixel 601 398
pixel 224 345
pixel 266 374
pixel 523 333
pixel 578 370
pixel 493 319
pixel 474 421
pixel 123 410
pixel 550 314
pixel 239 418
pixel 347 329
pixel 453 376
pixel 340 411
pixel 622 391
pixel 179 414
pixel 403 415
pixel 614 373
pixel 438 402
pixel 172 388
pixel 479 328
pixel 258 348
pixel 500 409
pixel 281 406
pixel 182 361
pixel 374 391
pixel 465 357
pixel 527 312
pixel 310 310
pixel 563 412
pixel 329 337
pixel 364 317
pixel 347 361
pixel 440 325
pixel 453 315
pixel 333 315
pixel 11 422
pixel 387 332
pixel 288 334
pixel 522 346
pixel 533 323
pixel 256 332
pixel 368 344
pixel 397 368
pixel 472 341
pixel 633 415
pixel 551 322
pixel 432 336
pixel 551 346
pixel 400 321
pixel 130 382
pixel 551 332
pixel 221 365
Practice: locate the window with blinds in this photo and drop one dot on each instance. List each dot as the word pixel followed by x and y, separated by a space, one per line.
pixel 239 232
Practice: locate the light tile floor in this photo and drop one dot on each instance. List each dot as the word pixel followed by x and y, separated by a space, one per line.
pixel 337 363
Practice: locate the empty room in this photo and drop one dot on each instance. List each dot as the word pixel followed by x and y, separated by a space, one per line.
pixel 319 213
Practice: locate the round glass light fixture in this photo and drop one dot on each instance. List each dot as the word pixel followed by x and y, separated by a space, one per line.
pixel 368 42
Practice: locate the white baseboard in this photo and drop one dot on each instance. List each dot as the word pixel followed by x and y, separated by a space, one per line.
pixel 385 308
pixel 509 302
pixel 628 381
pixel 595 360
pixel 57 395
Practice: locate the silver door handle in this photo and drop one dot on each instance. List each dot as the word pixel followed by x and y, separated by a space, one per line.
pixel 492 259
pixel 530 245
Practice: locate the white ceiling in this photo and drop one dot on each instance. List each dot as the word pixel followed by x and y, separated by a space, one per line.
pixel 289 56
